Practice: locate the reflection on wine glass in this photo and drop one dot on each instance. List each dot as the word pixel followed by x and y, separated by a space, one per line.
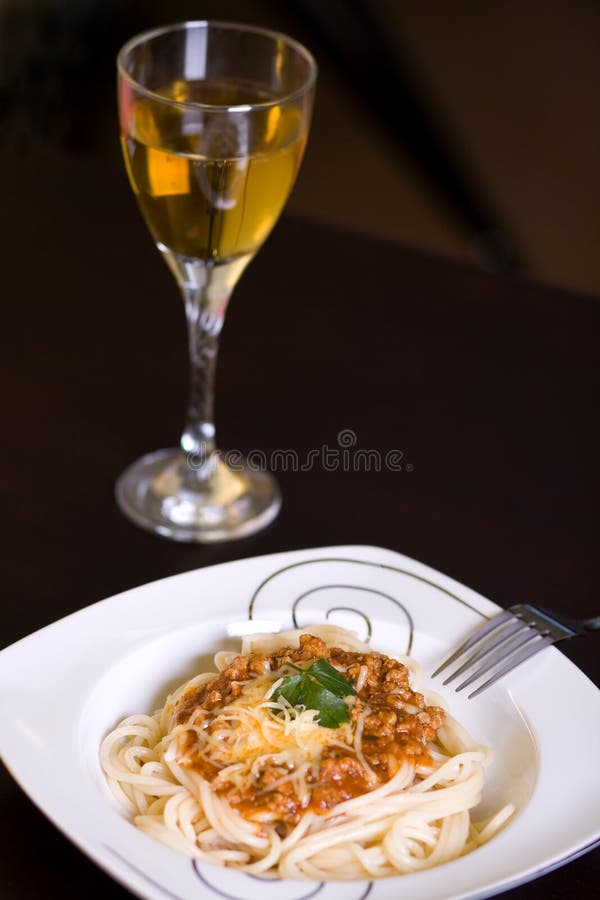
pixel 214 120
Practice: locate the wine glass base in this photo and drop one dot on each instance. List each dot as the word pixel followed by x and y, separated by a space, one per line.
pixel 156 492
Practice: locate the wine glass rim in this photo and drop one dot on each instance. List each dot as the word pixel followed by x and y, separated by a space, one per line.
pixel 152 33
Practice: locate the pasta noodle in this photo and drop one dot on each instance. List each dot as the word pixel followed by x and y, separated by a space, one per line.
pixel 231 772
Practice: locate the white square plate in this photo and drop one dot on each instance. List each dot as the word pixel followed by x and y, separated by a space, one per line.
pixel 64 687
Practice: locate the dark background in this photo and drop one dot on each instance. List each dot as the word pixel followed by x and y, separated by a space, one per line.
pixel 458 127
pixel 466 130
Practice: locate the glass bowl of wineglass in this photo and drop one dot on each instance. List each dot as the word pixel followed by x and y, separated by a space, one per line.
pixel 214 121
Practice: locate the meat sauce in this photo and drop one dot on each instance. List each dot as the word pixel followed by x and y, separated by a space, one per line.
pixel 397 725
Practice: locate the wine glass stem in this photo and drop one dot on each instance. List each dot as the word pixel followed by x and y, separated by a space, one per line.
pixel 204 327
pixel 206 286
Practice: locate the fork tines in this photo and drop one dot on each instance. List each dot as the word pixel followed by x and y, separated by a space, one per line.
pixel 504 642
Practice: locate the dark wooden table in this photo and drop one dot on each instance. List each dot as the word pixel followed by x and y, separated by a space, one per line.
pixel 487 385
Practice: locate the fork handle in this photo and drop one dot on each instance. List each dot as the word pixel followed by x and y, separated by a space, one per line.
pixel 592 624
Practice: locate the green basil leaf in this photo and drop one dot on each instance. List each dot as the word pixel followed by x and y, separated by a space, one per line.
pixel 330 678
pixel 290 689
pixel 331 709
pixel 319 687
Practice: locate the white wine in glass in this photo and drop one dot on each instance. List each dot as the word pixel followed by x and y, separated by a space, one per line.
pixel 214 121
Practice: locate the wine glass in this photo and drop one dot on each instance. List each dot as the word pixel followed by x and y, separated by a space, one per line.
pixel 214 120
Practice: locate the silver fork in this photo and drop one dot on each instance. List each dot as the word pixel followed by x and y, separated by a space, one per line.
pixel 509 639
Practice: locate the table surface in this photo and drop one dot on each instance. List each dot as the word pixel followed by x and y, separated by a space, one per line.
pixel 488 386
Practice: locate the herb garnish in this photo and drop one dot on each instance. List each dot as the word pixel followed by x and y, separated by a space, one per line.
pixel 319 687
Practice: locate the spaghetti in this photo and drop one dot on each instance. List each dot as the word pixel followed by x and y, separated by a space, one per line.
pixel 239 769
